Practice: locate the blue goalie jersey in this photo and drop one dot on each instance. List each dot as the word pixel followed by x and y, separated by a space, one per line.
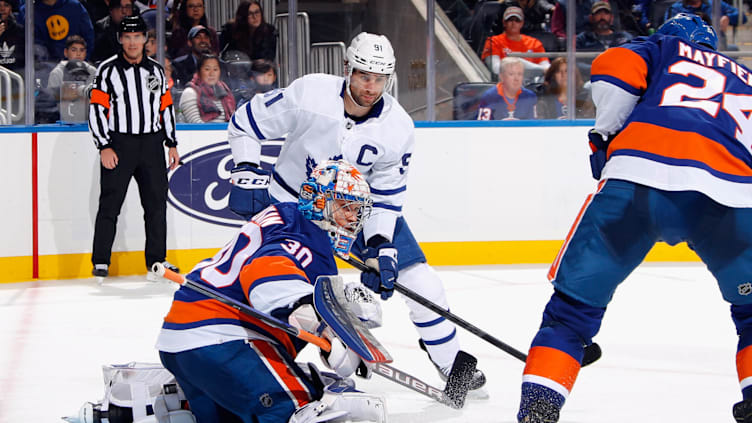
pixel 270 265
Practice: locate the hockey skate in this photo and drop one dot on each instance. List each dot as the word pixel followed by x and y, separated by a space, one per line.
pixel 542 412
pixel 539 404
pixel 477 381
pixel 743 411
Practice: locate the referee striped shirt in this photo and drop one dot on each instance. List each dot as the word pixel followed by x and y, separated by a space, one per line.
pixel 130 99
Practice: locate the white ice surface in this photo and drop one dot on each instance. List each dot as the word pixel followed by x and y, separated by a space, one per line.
pixel 668 343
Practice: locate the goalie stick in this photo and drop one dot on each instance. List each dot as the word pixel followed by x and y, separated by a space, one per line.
pixel 592 351
pixel 455 400
pixel 344 323
pixel 457 385
pixel 320 342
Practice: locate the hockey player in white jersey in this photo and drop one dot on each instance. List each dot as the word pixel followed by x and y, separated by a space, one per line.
pixel 325 117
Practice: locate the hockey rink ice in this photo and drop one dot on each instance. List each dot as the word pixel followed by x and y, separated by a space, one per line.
pixel 668 345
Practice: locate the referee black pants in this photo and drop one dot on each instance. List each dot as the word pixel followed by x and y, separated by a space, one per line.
pixel 142 157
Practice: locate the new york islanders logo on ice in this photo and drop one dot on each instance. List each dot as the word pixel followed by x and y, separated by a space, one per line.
pixel 200 187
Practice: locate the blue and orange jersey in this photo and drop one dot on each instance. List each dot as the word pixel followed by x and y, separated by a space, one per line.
pixel 271 264
pixel 689 125
pixel 494 105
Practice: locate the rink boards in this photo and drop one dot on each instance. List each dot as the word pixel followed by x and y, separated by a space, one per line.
pixel 479 193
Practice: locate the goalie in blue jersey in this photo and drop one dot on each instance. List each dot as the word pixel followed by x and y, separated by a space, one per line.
pixel 234 367
pixel 673 154
pixel 323 117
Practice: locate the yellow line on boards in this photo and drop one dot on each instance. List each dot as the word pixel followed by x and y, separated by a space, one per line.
pixel 75 266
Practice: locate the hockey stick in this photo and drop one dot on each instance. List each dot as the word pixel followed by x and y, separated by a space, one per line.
pixel 320 342
pixel 592 351
pixel 455 400
pixel 454 393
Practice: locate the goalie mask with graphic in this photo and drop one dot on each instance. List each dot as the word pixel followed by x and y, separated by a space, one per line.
pixel 371 54
pixel 336 197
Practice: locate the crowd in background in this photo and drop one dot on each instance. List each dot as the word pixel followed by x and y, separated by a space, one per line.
pixel 218 69
pixel 215 69
pixel 496 28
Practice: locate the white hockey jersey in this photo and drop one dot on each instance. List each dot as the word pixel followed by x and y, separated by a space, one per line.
pixel 310 115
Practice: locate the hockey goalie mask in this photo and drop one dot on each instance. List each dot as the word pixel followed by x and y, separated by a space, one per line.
pixel 336 197
pixel 373 54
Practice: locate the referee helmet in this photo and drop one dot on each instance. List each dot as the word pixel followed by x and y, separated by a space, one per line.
pixel 133 24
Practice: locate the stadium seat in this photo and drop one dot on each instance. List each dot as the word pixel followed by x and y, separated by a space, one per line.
pixel 466 99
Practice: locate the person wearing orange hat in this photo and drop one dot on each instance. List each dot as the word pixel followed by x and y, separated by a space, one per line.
pixel 512 40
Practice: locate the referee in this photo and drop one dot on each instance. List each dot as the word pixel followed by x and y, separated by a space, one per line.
pixel 130 115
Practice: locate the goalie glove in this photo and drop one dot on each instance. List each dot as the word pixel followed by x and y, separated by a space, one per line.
pixel 250 190
pixel 362 303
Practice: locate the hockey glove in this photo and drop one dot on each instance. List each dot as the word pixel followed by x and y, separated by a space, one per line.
pixel 599 148
pixel 250 190
pixel 383 262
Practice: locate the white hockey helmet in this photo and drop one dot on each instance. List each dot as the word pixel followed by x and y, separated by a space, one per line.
pixel 370 53
pixel 328 182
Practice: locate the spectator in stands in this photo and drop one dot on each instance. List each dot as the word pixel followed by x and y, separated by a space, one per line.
pixel 75 51
pixel 508 100
pixel 56 20
pixel 552 103
pixel 168 72
pixel 70 81
pixel 264 74
pixel 200 44
pixel 151 43
pixel 729 14
pixel 236 67
pixel 559 17
pixel 12 46
pixel 602 34
pixel 97 9
pixel 249 33
pixel 512 40
pixel 537 15
pixel 629 14
pixel 207 98
pixel 190 13
pixel 107 41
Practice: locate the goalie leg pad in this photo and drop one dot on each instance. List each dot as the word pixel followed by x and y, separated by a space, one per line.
pixel 333 406
pixel 437 333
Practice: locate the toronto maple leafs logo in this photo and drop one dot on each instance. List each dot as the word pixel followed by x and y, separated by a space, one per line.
pixel 311 163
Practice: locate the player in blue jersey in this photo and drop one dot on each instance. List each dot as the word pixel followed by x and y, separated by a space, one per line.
pixel 671 147
pixel 233 367
pixel 323 117
pixel 508 100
